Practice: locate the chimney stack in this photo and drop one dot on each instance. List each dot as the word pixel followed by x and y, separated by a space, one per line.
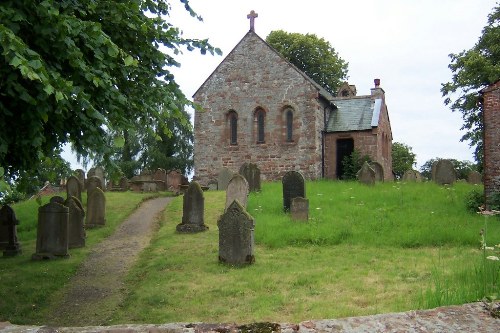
pixel 377 83
pixel 377 92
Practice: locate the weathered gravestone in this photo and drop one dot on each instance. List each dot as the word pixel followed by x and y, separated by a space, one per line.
pixel 8 238
pixel 474 178
pixel 379 171
pixel 299 209
pixel 443 172
pixel 236 235
pixel 366 174
pixel 293 186
pixel 96 209
pixel 251 172
pixel 223 178
pixel 52 231
pixel 193 210
pixel 124 185
pixel 80 174
pixel 74 188
pixel 412 176
pixel 237 189
pixel 76 228
pixel 93 182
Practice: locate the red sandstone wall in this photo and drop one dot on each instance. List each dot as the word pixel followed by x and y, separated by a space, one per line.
pixel 491 122
pixel 253 76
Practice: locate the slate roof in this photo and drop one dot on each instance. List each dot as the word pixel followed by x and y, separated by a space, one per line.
pixel 354 114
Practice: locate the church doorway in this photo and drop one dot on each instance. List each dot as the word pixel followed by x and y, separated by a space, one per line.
pixel 345 147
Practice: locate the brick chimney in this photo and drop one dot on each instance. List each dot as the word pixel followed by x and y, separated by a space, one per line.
pixel 377 92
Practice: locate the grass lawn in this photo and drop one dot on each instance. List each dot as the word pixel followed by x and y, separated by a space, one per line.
pixel 365 250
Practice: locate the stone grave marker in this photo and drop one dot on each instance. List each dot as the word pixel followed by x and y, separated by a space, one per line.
pixel 412 176
pixel 80 174
pixel 474 178
pixel 96 209
pixel 443 172
pixel 52 231
pixel 236 235
pixel 366 174
pixel 193 210
pixel 76 228
pixel 379 171
pixel 237 189
pixel 251 172
pixel 124 185
pixel 93 182
pixel 74 188
pixel 223 178
pixel 299 209
pixel 8 237
pixel 293 186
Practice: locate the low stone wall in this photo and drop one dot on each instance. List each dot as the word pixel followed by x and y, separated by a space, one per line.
pixel 468 318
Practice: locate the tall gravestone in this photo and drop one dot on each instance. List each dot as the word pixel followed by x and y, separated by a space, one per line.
pixel 74 188
pixel 52 231
pixel 251 172
pixel 237 189
pixel 223 178
pixel 379 171
pixel 96 208
pixel 474 177
pixel 236 236
pixel 193 210
pixel 443 172
pixel 93 182
pixel 366 174
pixel 76 228
pixel 80 174
pixel 8 223
pixel 412 176
pixel 294 186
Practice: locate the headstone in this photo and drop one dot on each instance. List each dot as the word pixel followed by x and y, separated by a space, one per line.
pixel 299 209
pixel 444 172
pixel 74 188
pixel 293 186
pixel 124 185
pixel 93 182
pixel 8 232
pixel 52 232
pixel 99 172
pixel 379 171
pixel 251 172
pixel 76 226
pixel 366 174
pixel 160 174
pixel 236 236
pixel 223 178
pixel 174 180
pixel 80 174
pixel 412 176
pixel 57 199
pixel 474 177
pixel 96 209
pixel 193 210
pixel 237 189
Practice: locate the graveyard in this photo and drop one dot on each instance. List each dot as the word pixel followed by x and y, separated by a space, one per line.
pixel 362 250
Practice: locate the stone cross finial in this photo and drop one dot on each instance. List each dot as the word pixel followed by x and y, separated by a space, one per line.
pixel 252 17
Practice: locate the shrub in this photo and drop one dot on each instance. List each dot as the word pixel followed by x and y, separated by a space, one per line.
pixel 474 200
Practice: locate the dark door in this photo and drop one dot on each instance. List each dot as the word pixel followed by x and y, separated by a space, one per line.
pixel 345 147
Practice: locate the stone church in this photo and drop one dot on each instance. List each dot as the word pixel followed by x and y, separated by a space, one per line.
pixel 257 107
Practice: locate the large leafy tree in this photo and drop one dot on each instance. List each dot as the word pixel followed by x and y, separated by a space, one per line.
pixel 473 70
pixel 79 71
pixel 312 55
pixel 403 159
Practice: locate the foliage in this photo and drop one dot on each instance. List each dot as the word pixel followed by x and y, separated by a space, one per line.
pixel 473 70
pixel 79 71
pixel 312 55
pixel 403 159
pixel 352 164
pixel 463 168
pixel 494 201
pixel 474 200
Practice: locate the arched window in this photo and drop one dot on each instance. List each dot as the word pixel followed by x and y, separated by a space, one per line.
pixel 289 125
pixel 233 127
pixel 261 117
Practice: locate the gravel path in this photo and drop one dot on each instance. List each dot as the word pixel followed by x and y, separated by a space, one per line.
pixel 98 286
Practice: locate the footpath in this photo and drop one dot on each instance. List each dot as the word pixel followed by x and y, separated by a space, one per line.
pixel 97 289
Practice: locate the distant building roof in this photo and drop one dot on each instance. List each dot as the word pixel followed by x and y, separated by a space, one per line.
pixel 354 114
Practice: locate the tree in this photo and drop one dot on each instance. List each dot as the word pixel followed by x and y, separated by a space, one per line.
pixel 473 70
pixel 312 55
pixel 403 159
pixel 352 164
pixel 463 168
pixel 81 71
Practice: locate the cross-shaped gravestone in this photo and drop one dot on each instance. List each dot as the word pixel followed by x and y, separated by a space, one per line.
pixel 252 17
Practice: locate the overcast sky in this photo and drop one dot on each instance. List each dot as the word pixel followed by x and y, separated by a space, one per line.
pixel 405 43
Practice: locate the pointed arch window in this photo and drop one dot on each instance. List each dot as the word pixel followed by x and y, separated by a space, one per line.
pixel 289 125
pixel 233 127
pixel 261 119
